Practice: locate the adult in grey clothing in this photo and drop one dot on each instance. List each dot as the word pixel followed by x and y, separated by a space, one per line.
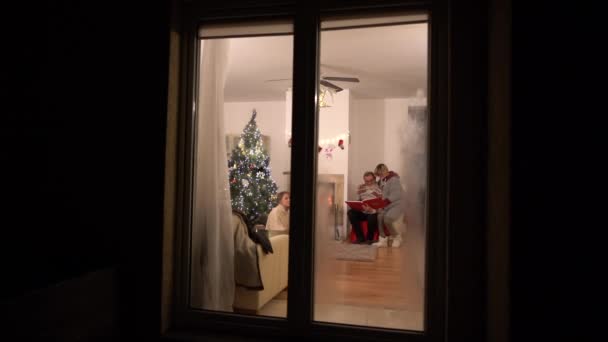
pixel 392 193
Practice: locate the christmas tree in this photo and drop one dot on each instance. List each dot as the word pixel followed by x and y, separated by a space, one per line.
pixel 252 190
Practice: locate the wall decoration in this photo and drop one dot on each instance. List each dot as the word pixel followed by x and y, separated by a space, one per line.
pixel 328 145
pixel 328 150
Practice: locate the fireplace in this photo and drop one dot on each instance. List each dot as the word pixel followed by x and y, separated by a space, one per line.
pixel 330 189
pixel 330 201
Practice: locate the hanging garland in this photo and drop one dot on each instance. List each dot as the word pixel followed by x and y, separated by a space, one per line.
pixel 328 145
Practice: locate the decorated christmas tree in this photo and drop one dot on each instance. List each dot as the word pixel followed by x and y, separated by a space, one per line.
pixel 252 189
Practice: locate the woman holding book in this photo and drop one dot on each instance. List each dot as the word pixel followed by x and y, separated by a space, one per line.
pixel 368 190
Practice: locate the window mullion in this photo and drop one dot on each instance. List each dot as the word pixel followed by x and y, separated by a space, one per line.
pixel 303 169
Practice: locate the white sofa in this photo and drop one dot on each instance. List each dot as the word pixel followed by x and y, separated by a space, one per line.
pixel 273 270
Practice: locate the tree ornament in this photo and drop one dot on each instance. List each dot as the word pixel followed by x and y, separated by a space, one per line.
pixel 341 144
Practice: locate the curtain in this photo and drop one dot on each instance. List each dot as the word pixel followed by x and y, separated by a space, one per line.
pixel 212 264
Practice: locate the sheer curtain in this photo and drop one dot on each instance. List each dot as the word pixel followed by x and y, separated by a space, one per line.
pixel 212 265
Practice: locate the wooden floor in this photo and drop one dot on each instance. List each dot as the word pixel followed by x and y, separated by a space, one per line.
pixel 389 282
pixel 385 293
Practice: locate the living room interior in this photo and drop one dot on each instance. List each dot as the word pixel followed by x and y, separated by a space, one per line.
pixel 372 110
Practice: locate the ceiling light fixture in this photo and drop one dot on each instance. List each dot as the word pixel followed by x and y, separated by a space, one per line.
pixel 324 98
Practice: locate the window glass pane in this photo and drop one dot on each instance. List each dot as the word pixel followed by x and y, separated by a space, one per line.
pixel 372 146
pixel 240 217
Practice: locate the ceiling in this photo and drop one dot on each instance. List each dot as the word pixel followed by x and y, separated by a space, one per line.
pixel 390 62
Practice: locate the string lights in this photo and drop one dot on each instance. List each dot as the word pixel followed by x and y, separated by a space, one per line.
pixel 252 189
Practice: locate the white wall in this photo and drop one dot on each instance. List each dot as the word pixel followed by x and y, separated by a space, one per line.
pixel 351 161
pixel 287 134
pixel 367 142
pixel 395 117
pixel 333 122
pixel 288 114
pixel 271 122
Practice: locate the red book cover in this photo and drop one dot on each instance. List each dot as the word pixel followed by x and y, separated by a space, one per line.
pixel 375 203
pixel 355 205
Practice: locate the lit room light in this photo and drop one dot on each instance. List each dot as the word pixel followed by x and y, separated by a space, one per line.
pixel 323 97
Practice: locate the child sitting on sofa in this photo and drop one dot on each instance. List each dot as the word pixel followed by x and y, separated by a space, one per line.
pixel 278 219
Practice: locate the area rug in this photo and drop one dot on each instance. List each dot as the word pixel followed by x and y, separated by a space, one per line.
pixel 355 252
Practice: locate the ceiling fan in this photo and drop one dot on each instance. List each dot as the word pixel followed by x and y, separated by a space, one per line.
pixel 324 81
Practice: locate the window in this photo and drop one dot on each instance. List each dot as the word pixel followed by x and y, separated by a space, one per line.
pixel 307 139
pixel 372 134
pixel 239 232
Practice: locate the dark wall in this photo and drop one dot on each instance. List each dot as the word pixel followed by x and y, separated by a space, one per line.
pixel 559 183
pixel 81 156
pixel 83 144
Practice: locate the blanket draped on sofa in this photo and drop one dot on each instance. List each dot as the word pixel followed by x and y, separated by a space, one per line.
pixel 246 259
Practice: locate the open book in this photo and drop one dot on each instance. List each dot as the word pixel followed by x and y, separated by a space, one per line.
pixel 375 203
